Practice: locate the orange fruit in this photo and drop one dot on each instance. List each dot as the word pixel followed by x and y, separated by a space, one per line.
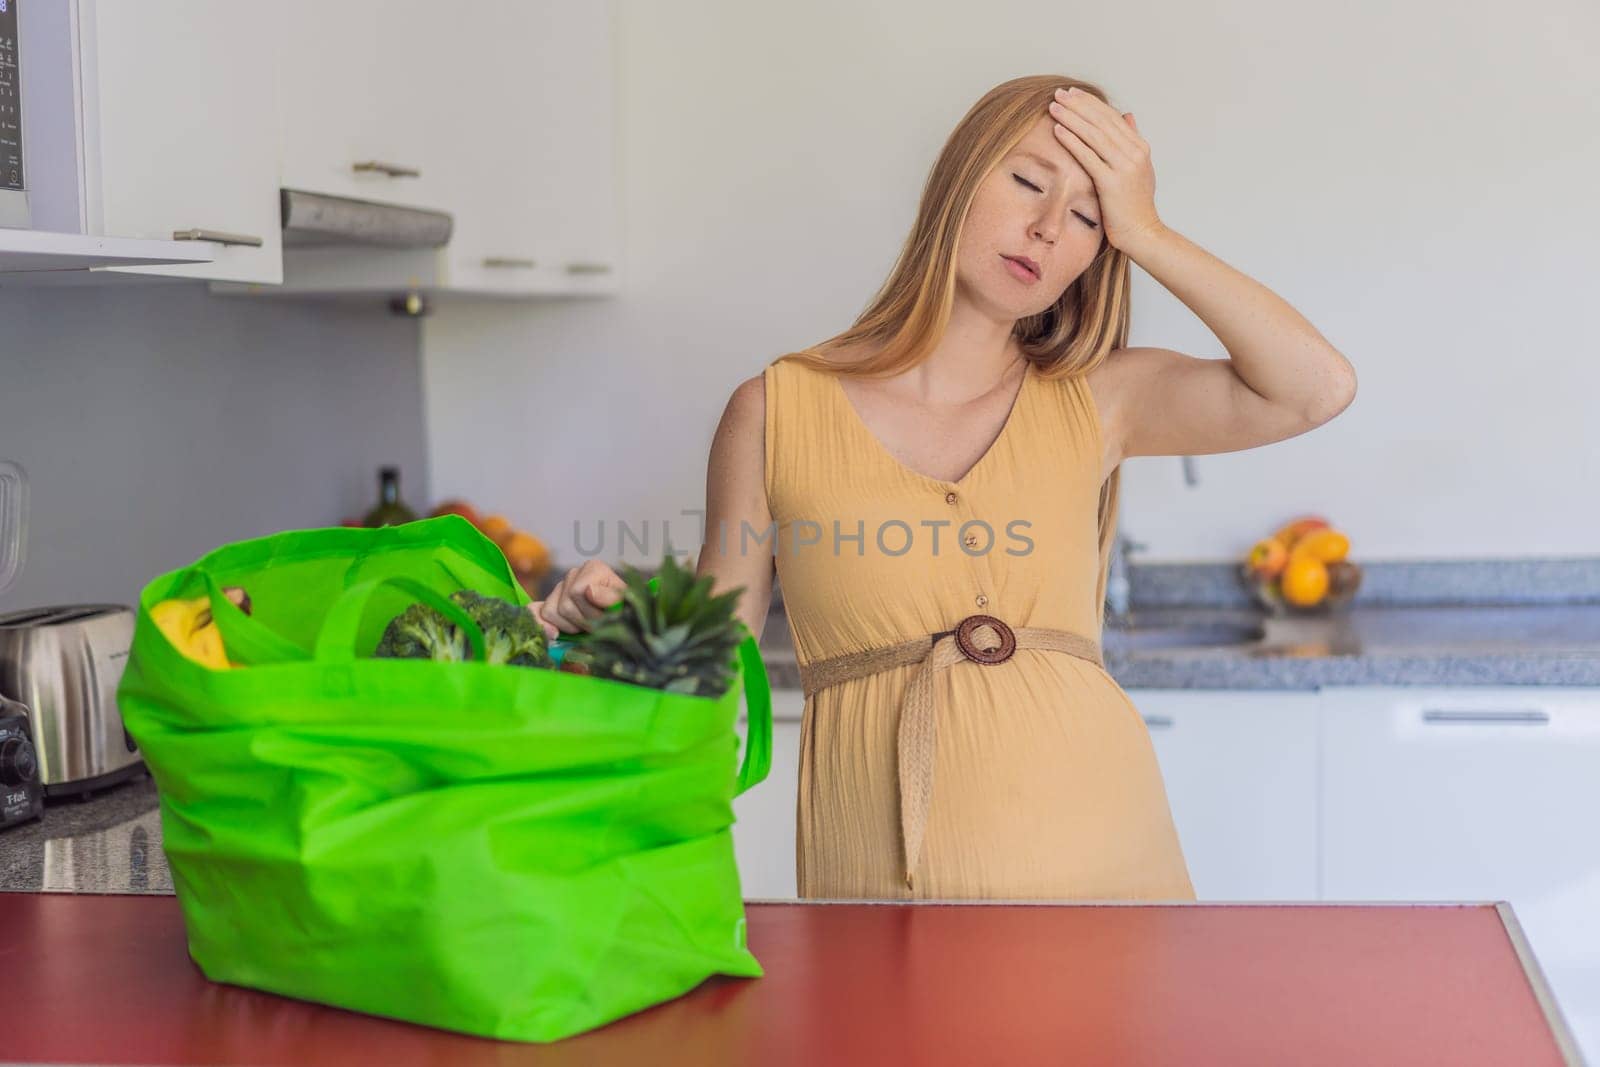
pixel 526 552
pixel 1267 557
pixel 1304 581
pixel 498 527
pixel 459 507
pixel 1326 544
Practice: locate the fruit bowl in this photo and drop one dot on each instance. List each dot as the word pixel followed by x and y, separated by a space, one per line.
pixel 1301 570
pixel 1266 593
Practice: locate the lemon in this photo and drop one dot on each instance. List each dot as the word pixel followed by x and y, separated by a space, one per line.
pixel 1304 581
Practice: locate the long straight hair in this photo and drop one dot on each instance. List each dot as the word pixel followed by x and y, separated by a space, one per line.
pixel 909 314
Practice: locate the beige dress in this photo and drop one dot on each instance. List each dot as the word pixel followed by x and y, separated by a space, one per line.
pixel 1045 782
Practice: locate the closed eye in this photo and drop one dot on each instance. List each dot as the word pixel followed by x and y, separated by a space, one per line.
pixel 1093 225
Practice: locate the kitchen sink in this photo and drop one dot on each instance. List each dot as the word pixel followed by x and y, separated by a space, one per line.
pixel 1181 635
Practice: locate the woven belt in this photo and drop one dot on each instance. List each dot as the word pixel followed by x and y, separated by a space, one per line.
pixel 917 720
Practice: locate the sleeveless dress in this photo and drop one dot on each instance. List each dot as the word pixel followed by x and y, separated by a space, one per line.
pixel 1045 781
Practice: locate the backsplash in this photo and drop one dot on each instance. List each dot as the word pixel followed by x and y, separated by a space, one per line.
pixel 1574 580
pixel 156 421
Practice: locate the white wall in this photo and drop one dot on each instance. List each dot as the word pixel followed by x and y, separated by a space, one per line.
pixel 1417 179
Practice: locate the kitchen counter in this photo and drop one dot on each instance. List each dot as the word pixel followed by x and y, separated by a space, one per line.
pixel 1398 644
pixel 110 980
pixel 108 843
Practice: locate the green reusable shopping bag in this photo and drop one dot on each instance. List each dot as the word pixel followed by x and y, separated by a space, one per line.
pixel 506 851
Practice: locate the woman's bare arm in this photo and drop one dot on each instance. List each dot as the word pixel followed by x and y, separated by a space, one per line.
pixel 738 545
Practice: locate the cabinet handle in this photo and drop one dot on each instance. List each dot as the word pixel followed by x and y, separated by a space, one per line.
pixel 1533 717
pixel 217 236
pixel 393 170
pixel 1158 722
pixel 507 261
pixel 588 268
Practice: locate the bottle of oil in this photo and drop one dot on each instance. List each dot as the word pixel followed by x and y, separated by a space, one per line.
pixel 391 510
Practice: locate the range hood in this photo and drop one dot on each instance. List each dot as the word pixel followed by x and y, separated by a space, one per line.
pixel 342 246
pixel 317 220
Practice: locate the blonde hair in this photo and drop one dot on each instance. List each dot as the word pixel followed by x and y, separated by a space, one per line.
pixel 907 317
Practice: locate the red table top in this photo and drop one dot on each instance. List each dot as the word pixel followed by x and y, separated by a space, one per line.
pixel 108 980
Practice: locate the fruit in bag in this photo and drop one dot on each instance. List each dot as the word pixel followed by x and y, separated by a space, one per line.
pixel 188 624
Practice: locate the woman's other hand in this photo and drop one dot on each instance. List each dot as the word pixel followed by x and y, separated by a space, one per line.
pixel 582 593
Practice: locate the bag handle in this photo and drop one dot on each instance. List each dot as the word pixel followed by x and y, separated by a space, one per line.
pixel 246 638
pixel 336 641
pixel 758 699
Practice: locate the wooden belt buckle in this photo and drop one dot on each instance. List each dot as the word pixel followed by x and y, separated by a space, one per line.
pixel 1008 640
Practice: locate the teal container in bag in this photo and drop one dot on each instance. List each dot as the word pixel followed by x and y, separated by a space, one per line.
pixel 512 852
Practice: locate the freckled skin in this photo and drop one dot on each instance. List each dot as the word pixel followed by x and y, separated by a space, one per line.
pixel 1007 216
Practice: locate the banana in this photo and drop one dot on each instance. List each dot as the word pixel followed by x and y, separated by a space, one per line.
pixel 188 624
pixel 177 618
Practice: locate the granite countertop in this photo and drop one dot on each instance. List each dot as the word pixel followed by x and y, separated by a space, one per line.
pixel 109 842
pixel 1516 621
pixel 1521 644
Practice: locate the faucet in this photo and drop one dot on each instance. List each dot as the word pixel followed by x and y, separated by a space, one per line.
pixel 1117 583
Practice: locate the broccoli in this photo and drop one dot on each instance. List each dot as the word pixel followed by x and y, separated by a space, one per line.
pixel 510 632
pixel 511 635
pixel 421 632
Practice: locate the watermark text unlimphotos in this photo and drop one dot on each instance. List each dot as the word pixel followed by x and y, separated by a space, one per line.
pixel 890 537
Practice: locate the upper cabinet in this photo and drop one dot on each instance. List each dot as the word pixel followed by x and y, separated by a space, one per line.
pixel 179 133
pixel 499 113
pixel 535 191
pixel 188 117
pixel 367 96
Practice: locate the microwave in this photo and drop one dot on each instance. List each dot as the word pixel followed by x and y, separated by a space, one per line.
pixel 42 126
pixel 13 186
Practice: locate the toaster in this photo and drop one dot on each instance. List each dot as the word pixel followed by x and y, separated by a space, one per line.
pixel 64 664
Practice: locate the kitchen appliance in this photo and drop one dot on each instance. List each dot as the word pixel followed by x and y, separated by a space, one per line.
pixel 13 520
pixel 320 220
pixel 13 189
pixel 21 791
pixel 64 664
pixel 49 122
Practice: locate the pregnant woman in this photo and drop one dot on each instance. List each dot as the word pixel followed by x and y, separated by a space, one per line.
pixel 936 490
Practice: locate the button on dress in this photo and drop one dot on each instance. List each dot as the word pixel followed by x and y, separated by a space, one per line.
pixel 1045 781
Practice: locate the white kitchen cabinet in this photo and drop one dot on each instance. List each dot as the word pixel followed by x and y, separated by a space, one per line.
pixel 1240 772
pixel 536 210
pixel 369 88
pixel 501 114
pixel 1474 793
pixel 191 114
pixel 764 817
pixel 168 133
